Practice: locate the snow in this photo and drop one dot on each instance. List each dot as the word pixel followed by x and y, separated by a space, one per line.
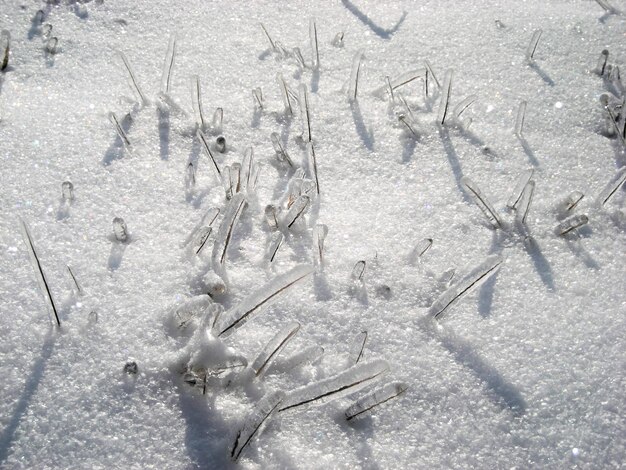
pixel 527 371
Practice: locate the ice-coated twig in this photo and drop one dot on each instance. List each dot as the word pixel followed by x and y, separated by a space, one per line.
pixel 296 210
pixel 39 274
pixel 349 381
pixel 274 347
pixel 602 60
pixel 276 242
pixel 444 104
pixel 532 47
pixel 79 290
pixel 281 153
pixel 207 220
pixel 269 38
pixel 519 187
pixel 284 93
pixel 203 237
pixel 238 315
pixel 5 49
pixel 353 88
pixel 525 201
pixel 310 151
pixel 168 65
pixel 463 105
pixel 257 94
pixel 571 223
pixel 256 422
pixel 358 345
pixel 119 130
pixel 314 45
pixel 431 74
pixel 305 113
pixel 205 146
pixel 612 187
pixel 196 99
pixel 375 398
pixel 519 120
pixel 481 201
pixel 133 79
pixel 463 287
pixel 225 232
pixel 319 236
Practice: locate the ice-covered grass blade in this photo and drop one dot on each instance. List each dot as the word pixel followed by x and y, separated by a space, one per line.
pixel 376 398
pixel 274 347
pixel 207 150
pixel 463 287
pixel 39 274
pixel 269 38
pixel 532 47
pixel 526 200
pixel 314 45
pixel 281 153
pixel 296 210
pixel 196 99
pixel 519 120
pixel 256 422
pixel 519 187
pixel 431 74
pixel 345 383
pixel 284 93
pixel 305 113
pixel 203 238
pixel 481 201
pixel 353 87
pixel 79 290
pixel 463 105
pixel 312 160
pixel 225 232
pixel 570 202
pixel 611 188
pixel 358 346
pixel 276 242
pixel 168 65
pixel 319 236
pixel 207 220
pixel 602 60
pixel 571 223
pixel 133 79
pixel 120 131
pixel 5 49
pixel 420 249
pixel 237 316
pixel 444 104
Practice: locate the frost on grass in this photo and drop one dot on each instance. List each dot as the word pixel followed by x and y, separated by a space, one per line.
pixel 469 283
pixel 237 316
pixel 225 232
pixel 481 201
pixel 39 273
pixel 256 422
pixel 274 347
pixel 374 399
pixel 345 383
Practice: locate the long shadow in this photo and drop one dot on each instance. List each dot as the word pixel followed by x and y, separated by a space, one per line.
pixel 366 20
pixel 207 436
pixel 529 151
pixel 116 255
pixel 30 388
pixel 542 266
pixel 116 149
pixel 453 159
pixel 544 76
pixel 505 393
pixel 164 132
pixel 408 149
pixel 577 248
pixel 315 80
pixel 367 137
pixel 360 432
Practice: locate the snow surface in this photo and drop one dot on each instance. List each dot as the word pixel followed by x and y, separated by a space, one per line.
pixel 528 371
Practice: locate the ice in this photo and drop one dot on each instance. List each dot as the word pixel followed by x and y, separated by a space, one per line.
pixel 532 47
pixel 313 41
pixel 526 200
pixel 5 49
pixel 305 113
pixel 310 151
pixel 206 221
pixel 569 202
pixel 237 316
pixel 356 351
pixel 611 188
pixel 571 223
pixel 376 398
pixel 196 99
pixel 481 201
pixel 519 188
pixel 519 120
pixel 281 153
pixel 225 232
pixel 297 209
pixel 345 383
pixel 275 243
pixel 319 237
pixel 353 88
pixel 256 422
pixel 274 347
pixel 444 104
pixel 120 230
pixel 460 289
pixel 133 79
pixel 67 191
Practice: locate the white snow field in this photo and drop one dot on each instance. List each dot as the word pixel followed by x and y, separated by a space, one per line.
pixel 525 369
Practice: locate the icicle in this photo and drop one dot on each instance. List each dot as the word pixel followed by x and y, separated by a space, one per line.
pixel 569 203
pixel 375 398
pixel 349 381
pixel 274 347
pixel 237 316
pixel 463 287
